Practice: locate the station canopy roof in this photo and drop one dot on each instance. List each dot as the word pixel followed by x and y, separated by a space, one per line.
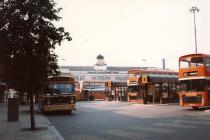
pixel 163 79
pixel 119 84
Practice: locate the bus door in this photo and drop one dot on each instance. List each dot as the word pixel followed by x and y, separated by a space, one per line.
pixel 208 90
pixel 86 94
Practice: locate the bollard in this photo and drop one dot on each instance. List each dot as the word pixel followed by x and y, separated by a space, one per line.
pixel 13 109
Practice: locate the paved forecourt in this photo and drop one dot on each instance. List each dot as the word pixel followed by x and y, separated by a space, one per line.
pixel 101 120
pixel 19 130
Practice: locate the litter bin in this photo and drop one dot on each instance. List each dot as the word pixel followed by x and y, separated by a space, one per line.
pixel 13 109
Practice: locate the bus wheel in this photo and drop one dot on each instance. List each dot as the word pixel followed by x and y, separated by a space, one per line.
pixel 91 98
pixel 41 109
pixel 195 107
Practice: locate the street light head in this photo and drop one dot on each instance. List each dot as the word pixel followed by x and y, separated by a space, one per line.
pixel 194 9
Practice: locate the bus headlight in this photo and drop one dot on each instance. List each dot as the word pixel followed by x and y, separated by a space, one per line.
pixel 72 101
pixel 48 102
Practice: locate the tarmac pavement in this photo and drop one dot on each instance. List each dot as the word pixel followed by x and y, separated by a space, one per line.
pixel 101 120
pixel 19 130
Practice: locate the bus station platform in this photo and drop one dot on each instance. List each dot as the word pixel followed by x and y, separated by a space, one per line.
pixel 20 130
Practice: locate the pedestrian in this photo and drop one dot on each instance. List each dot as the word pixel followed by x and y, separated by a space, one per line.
pixel 6 94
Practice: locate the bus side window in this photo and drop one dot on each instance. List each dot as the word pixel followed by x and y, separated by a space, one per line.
pixel 208 88
pixel 207 62
pixel 208 85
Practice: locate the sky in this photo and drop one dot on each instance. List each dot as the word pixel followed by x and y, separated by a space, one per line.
pixel 132 32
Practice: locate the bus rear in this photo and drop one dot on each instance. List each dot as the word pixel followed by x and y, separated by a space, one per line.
pixel 194 78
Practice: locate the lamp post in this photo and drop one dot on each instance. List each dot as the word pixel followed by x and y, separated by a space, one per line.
pixel 144 63
pixel 193 10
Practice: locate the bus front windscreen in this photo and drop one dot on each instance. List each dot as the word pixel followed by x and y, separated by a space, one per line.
pixel 192 85
pixel 62 88
pixel 134 88
pixel 191 62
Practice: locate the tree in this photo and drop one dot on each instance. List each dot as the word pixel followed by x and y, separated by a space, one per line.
pixel 27 40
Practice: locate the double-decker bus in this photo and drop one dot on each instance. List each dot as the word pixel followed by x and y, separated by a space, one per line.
pixel 194 79
pixel 60 95
pixel 146 86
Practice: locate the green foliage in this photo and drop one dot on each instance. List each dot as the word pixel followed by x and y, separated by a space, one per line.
pixel 27 40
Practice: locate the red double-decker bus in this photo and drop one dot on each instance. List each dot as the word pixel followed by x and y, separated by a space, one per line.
pixel 194 78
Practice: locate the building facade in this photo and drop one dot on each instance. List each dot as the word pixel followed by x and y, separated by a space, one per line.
pixel 98 72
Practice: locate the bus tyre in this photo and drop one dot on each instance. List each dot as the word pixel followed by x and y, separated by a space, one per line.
pixel 42 110
pixel 40 107
pixel 195 107
pixel 91 98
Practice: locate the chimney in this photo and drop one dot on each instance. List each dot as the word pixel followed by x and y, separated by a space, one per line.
pixel 163 63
